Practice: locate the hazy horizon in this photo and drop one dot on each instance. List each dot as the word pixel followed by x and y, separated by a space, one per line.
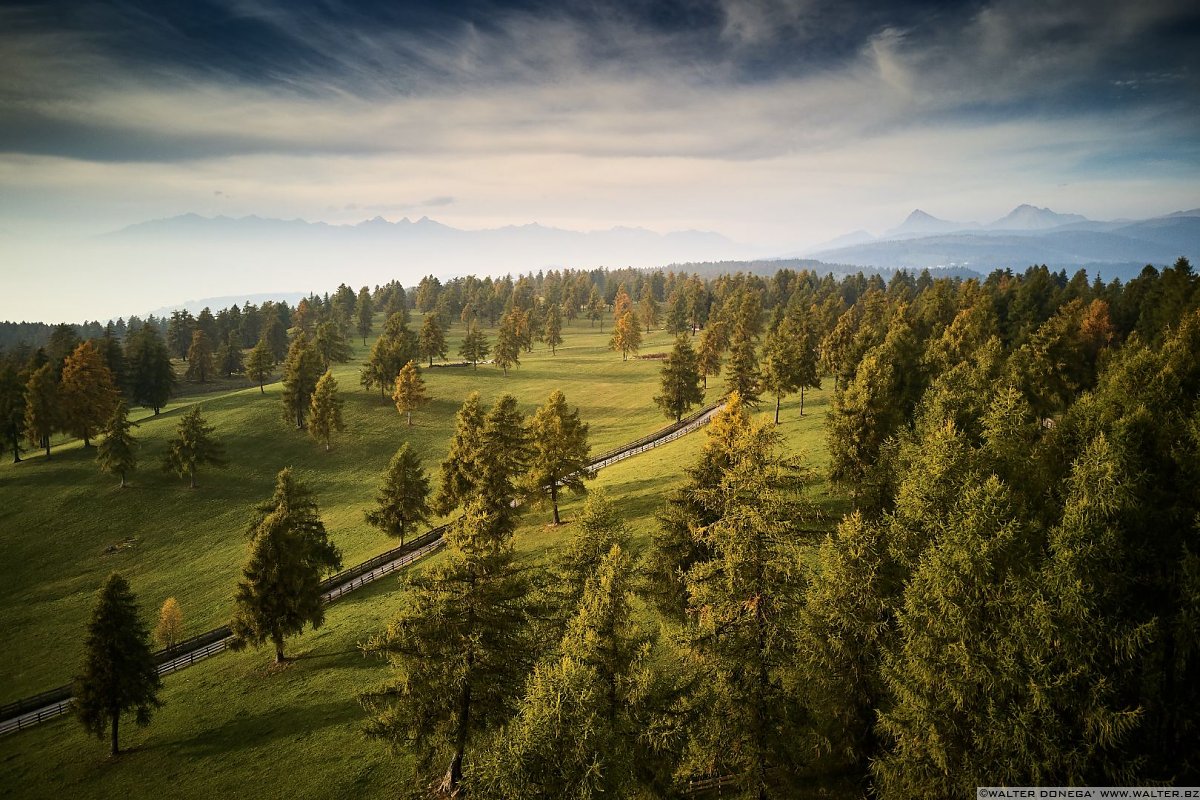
pixel 778 124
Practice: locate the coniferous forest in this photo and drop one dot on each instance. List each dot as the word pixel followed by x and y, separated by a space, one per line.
pixel 982 568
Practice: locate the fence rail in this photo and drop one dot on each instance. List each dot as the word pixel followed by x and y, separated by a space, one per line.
pixel 29 711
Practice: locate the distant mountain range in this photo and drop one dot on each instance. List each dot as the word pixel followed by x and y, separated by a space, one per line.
pixel 1027 235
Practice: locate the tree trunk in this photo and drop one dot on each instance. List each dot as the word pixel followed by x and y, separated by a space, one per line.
pixel 192 478
pixel 16 450
pixel 115 749
pixel 410 419
pixel 778 398
pixel 454 772
pixel 122 486
pixel 46 442
pixel 431 362
pixel 261 389
pixel 277 638
pixel 86 441
pixel 554 499
pixel 802 401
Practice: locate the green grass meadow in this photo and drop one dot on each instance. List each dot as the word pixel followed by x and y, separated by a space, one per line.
pixel 237 725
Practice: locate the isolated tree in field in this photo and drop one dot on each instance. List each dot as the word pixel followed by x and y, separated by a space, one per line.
pixel 325 411
pixel 119 674
pixel 301 371
pixel 87 392
pixel 116 452
pixel 404 498
pixel 461 470
pixel 552 332
pixel 474 346
pixel 169 631
pixel 260 364
pixel 626 336
pixel 280 589
pixel 192 446
pixel 559 451
pixel 364 314
pixel 201 365
pixel 432 341
pixel 42 407
pixel 12 410
pixel 461 649
pixel 151 376
pixel 508 346
pixel 409 394
pixel 780 365
pixel 680 380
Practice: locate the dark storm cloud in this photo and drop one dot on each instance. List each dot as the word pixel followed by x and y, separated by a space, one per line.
pixel 156 81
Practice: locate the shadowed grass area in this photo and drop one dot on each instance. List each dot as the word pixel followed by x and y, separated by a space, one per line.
pixel 236 725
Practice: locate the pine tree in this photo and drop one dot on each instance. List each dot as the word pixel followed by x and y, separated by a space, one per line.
pixel 743 366
pixel 331 344
pixel 409 394
pixel 626 336
pixel 192 446
pixel 780 365
pixel 118 673
pixel 151 376
pixel 461 648
pixel 559 451
pixel 508 345
pixel 648 307
pixel 461 469
pixel 680 380
pixel 325 411
pixel 712 344
pixel 280 590
pixel 552 333
pixel 43 409
pixel 363 314
pixel 87 392
pixel 474 346
pixel 201 365
pixel 595 308
pixel 432 341
pixel 260 364
pixel 576 729
pixel 404 498
pixel 229 356
pixel 598 528
pixel 396 346
pixel 301 371
pixel 169 631
pixel 116 452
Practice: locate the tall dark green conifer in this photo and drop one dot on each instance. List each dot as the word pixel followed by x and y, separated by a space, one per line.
pixel 116 452
pixel 403 500
pixel 301 371
pixel 119 674
pixel 559 451
pixel 680 380
pixel 192 446
pixel 280 590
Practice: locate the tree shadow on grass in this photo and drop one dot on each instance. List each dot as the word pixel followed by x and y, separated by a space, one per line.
pixel 246 730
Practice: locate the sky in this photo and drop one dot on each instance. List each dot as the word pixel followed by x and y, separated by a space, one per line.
pixel 776 123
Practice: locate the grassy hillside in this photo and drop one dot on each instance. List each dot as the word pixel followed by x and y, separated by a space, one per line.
pixel 236 725
pixel 66 525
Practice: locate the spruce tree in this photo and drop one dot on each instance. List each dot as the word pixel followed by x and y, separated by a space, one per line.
pixel 229 356
pixel 192 446
pixel 201 365
pixel 712 344
pixel 260 364
pixel 508 346
pixel 363 314
pixel 151 376
pixel 330 343
pixel 404 498
pixel 552 333
pixel 325 411
pixel 409 394
pixel 43 408
pixel 648 308
pixel 680 380
pixel 780 365
pixel 474 346
pixel 280 589
pixel 116 452
pixel 432 341
pixel 118 673
pixel 461 649
pixel 396 346
pixel 559 453
pixel 461 469
pixel 743 366
pixel 301 371
pixel 87 391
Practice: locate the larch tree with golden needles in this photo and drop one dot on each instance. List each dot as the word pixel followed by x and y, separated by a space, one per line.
pixel 409 394
pixel 325 411
pixel 169 631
